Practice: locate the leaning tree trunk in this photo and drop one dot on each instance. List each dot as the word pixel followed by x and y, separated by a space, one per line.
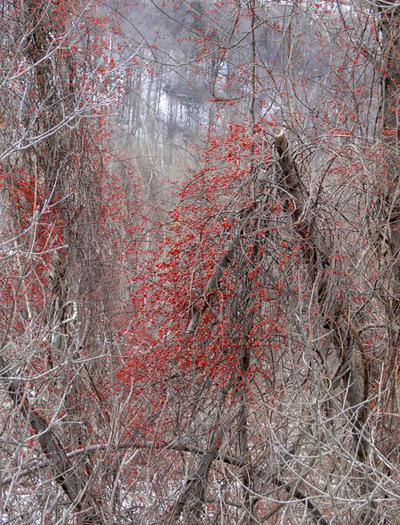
pixel 355 378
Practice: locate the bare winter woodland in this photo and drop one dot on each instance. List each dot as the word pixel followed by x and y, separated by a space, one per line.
pixel 200 262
